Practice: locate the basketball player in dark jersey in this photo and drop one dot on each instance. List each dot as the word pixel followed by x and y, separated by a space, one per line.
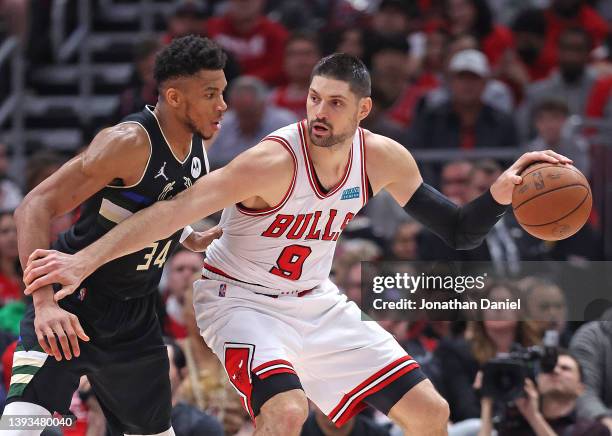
pixel 109 330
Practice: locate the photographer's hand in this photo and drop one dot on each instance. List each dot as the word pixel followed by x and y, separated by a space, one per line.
pixel 529 407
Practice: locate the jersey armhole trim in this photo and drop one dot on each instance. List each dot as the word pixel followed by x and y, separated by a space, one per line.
pixel 270 210
pixel 365 182
pixel 206 163
pixel 148 160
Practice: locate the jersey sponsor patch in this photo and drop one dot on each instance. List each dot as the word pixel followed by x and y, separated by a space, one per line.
pixel 196 167
pixel 350 193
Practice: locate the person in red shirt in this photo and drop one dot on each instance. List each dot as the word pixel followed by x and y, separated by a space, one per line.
pixel 474 17
pixel 566 14
pixel 302 52
pixel 257 42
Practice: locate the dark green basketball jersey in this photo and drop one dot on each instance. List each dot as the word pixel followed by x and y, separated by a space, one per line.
pixel 136 274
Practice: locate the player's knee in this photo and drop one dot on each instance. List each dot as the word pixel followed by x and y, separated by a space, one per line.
pixel 288 410
pixel 422 410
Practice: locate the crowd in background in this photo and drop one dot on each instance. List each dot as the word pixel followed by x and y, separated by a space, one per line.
pixel 446 74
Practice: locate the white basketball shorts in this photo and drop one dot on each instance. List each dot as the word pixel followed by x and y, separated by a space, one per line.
pixel 317 342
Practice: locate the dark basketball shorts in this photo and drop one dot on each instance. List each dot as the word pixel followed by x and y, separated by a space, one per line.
pixel 125 361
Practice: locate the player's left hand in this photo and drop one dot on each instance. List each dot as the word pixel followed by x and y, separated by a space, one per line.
pixel 46 267
pixel 502 188
pixel 199 241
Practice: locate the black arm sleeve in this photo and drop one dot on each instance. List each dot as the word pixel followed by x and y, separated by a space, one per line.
pixel 462 228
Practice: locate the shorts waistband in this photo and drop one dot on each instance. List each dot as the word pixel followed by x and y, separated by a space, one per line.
pixel 282 294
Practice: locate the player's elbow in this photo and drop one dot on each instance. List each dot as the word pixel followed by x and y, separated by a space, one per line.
pixel 464 243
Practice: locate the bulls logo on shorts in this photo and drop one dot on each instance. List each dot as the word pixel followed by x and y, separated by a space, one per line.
pixel 238 364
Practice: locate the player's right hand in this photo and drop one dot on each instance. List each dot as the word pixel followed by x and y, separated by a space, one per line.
pixel 46 267
pixel 50 321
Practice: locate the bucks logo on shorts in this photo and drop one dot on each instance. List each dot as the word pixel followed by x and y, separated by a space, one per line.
pixel 25 365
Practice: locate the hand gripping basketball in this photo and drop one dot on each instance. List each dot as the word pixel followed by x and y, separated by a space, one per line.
pixel 503 187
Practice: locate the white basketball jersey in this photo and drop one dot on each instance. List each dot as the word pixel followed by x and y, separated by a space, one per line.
pixel 289 247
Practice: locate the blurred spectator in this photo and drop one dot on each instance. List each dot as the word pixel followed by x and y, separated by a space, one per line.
pixel 461 358
pixel 11 284
pixel 599 103
pixel 547 307
pixel 429 75
pixel 392 18
pixel 257 42
pixel 186 420
pixel 505 11
pixel 143 88
pixel 496 93
pixel 592 347
pixel 465 121
pixel 182 267
pixel 529 29
pixel 566 14
pixel 250 118
pixel 351 41
pixel 318 424
pixel 572 83
pixel 549 407
pixel 10 194
pixel 554 133
pixel 302 52
pixel 379 121
pixel 188 18
pixel 454 180
pixel 389 69
pixel 404 245
pixel 474 17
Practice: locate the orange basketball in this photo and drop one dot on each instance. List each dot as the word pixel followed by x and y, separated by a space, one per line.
pixel 553 202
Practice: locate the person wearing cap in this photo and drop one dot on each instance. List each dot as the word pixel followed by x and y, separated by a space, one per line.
pixel 464 120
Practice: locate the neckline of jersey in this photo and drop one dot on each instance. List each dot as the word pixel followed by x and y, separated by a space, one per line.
pixel 182 162
pixel 310 169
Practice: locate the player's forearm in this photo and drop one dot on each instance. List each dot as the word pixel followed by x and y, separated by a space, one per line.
pixel 33 222
pixel 462 228
pixel 156 222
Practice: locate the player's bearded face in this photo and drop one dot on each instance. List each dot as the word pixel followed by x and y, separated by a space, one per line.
pixel 323 134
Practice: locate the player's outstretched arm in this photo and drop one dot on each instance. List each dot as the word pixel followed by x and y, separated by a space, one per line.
pixel 390 166
pixel 263 172
pixel 105 159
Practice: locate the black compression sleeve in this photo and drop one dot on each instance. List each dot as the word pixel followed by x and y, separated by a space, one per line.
pixel 462 228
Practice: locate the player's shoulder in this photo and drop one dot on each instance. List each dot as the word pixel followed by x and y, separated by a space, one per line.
pixel 123 138
pixel 269 158
pixel 380 147
pixel 124 146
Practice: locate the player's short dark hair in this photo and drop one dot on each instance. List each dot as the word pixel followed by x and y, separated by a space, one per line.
pixel 347 68
pixel 187 56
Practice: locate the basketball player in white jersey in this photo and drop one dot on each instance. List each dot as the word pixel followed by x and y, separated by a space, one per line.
pixel 265 304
